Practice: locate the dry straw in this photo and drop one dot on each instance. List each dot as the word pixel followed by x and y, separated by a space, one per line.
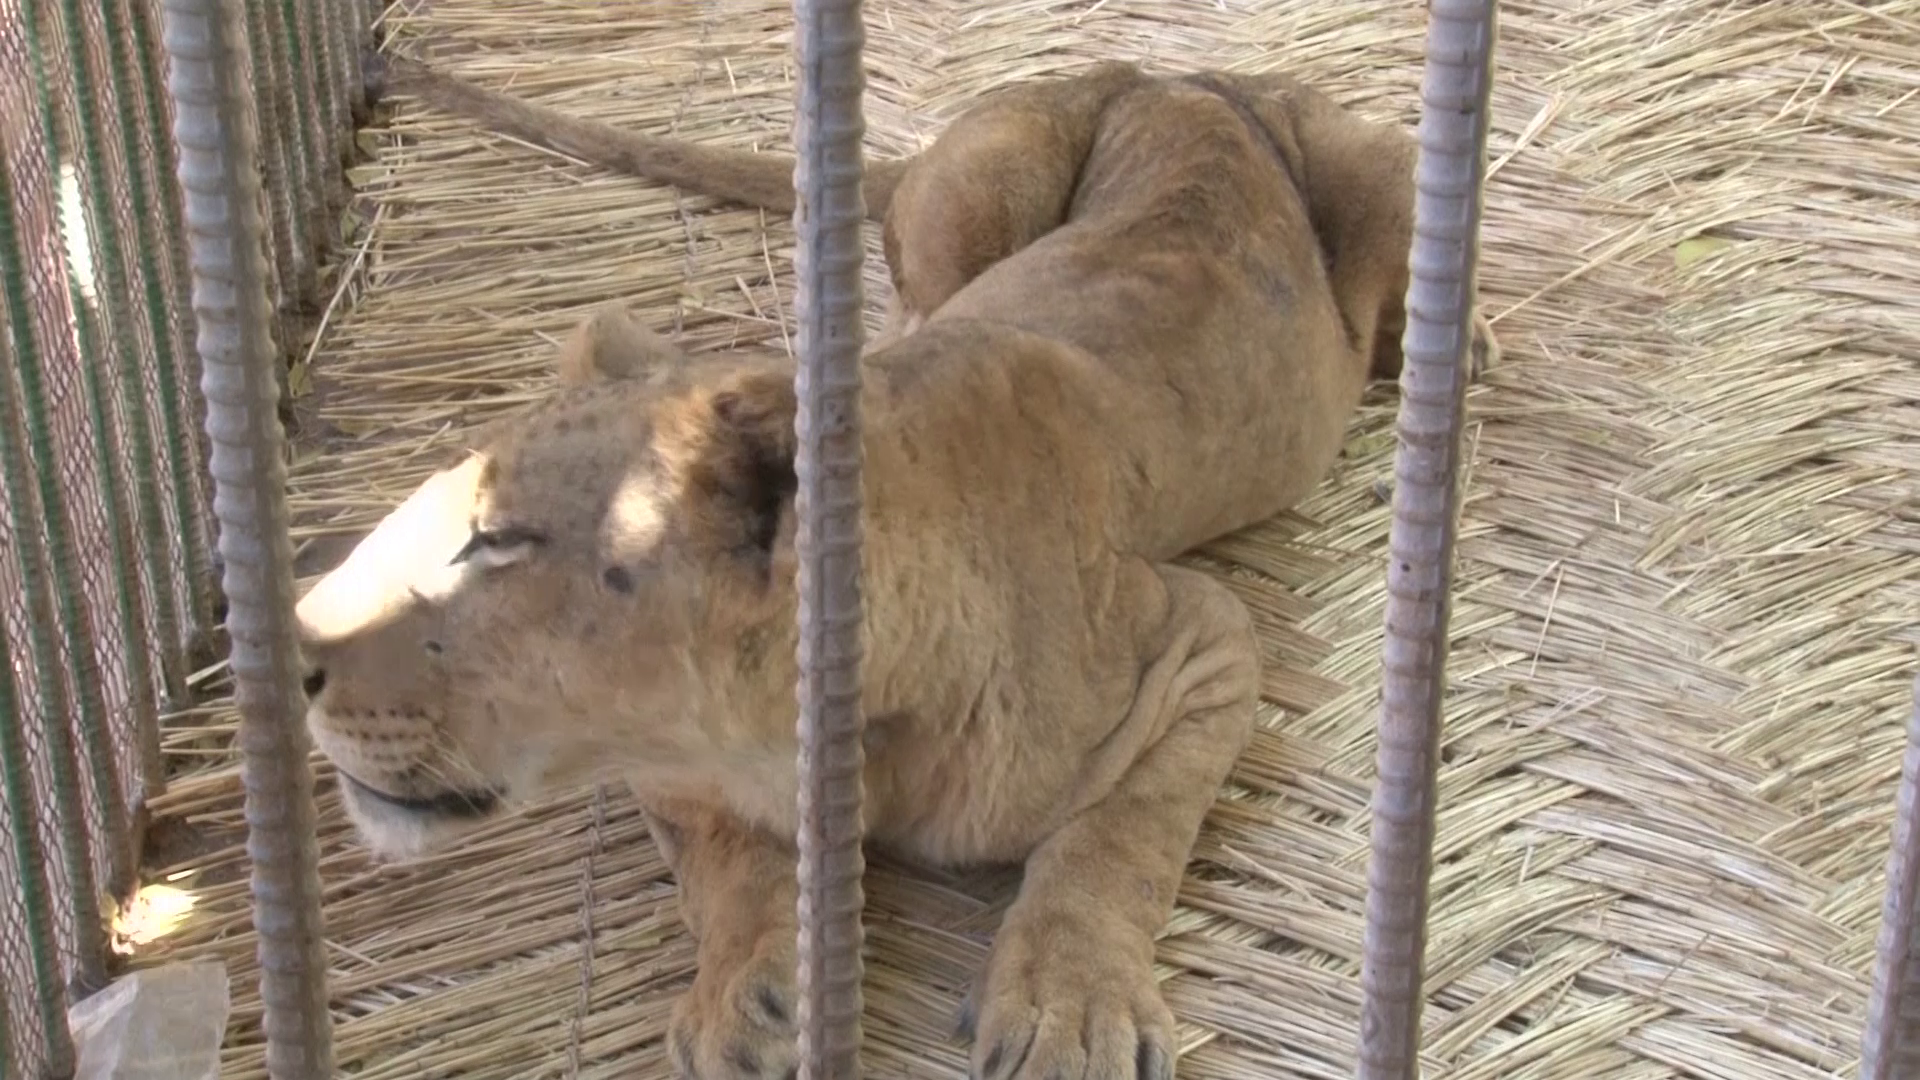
pixel 1688 576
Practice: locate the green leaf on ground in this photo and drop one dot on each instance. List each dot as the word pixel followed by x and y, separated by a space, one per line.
pixel 1694 250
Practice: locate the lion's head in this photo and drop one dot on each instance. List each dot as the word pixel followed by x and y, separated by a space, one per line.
pixel 589 593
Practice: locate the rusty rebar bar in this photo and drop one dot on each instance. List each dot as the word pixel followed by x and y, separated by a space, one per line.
pixel 39 324
pixel 1448 179
pixel 828 130
pixel 217 140
pixel 35 894
pixel 1890 1045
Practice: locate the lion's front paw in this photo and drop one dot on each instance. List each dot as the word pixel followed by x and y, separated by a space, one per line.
pixel 1065 999
pixel 737 1021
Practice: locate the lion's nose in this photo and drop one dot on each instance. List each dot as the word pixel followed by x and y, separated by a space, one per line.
pixel 315 682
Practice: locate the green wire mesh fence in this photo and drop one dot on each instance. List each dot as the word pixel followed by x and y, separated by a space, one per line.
pixel 107 590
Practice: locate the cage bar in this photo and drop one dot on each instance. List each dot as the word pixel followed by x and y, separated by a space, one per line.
pixel 35 899
pixel 119 583
pixel 1454 96
pixel 177 368
pixel 829 209
pixel 217 144
pixel 1890 1044
pixel 44 599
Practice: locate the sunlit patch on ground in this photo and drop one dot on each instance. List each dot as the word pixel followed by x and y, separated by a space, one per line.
pixel 158 910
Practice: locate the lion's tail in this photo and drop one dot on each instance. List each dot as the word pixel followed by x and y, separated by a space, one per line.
pixel 742 176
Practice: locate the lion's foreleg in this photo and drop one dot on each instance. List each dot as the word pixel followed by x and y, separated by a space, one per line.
pixel 737 896
pixel 1069 989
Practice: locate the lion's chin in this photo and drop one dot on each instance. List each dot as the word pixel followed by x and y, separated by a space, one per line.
pixel 401 830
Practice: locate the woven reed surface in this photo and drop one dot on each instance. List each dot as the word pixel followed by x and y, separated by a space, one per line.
pixel 1688 575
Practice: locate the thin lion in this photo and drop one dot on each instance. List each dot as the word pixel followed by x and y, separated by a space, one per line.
pixel 1133 313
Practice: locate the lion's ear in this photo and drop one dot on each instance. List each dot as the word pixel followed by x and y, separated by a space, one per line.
pixel 611 345
pixel 750 462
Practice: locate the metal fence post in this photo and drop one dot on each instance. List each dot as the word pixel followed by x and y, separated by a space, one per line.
pixel 218 154
pixel 829 209
pixel 36 900
pixel 39 321
pixel 1890 1045
pixel 1448 180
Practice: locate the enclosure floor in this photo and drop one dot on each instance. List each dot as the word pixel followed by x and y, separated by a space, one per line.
pixel 1688 570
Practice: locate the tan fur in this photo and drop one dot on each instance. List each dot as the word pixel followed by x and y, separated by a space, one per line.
pixel 1137 313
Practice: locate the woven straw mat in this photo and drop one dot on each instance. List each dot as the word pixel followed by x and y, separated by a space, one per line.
pixel 1687 566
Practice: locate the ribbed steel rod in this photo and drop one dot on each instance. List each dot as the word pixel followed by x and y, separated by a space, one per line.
pixel 36 897
pixel 1890 1047
pixel 828 129
pixel 1452 169
pixel 218 147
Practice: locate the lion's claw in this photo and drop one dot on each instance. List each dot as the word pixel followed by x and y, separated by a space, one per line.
pixel 1153 1061
pixel 1078 1006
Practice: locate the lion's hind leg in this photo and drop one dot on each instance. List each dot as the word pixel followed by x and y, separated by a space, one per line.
pixel 1002 176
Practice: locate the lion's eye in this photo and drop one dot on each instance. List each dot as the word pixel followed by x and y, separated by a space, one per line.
pixel 497 547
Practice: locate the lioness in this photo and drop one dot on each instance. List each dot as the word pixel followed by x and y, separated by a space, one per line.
pixel 1135 313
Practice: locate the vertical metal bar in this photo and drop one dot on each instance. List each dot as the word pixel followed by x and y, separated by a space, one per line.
pixel 330 99
pixel 36 903
pixel 828 130
pixel 292 105
pixel 120 435
pixel 147 394
pixel 351 36
pixel 218 154
pixel 68 421
pixel 179 370
pixel 7 1067
pixel 40 321
pixel 1890 1046
pixel 1448 181
pixel 325 103
pixel 280 167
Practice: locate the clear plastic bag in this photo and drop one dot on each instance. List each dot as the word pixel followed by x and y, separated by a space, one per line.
pixel 163 1023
